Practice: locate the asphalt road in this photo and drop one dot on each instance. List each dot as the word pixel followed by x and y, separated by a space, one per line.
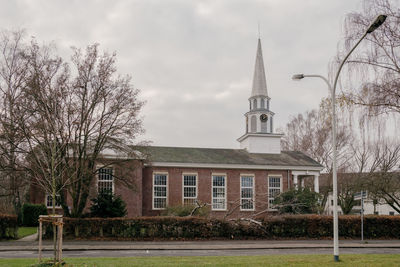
pixel 180 252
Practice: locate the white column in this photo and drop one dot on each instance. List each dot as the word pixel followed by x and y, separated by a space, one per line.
pixel 316 183
pixel 302 182
pixel 295 181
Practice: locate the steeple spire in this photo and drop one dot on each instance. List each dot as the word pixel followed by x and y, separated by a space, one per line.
pixel 259 81
pixel 260 136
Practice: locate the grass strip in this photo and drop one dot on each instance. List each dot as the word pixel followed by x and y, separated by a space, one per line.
pixel 352 260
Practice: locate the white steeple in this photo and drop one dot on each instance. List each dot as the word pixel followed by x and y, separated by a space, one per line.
pixel 259 82
pixel 259 136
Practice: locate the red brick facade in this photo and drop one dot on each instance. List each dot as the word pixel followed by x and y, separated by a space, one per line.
pixel 139 200
pixel 175 178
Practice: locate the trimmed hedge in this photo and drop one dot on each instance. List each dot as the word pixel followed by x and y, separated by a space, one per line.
pixel 31 212
pixel 8 226
pixel 293 226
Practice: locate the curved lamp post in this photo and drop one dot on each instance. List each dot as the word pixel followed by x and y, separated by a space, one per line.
pixel 377 22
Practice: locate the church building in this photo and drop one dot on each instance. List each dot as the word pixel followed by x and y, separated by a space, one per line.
pixel 233 182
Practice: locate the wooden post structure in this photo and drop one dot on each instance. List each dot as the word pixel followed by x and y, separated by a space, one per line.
pixel 56 220
pixel 40 239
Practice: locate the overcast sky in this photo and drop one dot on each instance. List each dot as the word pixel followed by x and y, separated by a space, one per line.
pixel 193 60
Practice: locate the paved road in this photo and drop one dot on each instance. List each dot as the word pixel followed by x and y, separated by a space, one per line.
pixel 82 248
pixel 193 252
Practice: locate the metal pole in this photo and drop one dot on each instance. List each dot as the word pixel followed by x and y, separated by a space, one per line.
pixel 362 216
pixel 334 165
pixel 377 23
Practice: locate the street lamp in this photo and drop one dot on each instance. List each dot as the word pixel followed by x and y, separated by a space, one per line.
pixel 374 25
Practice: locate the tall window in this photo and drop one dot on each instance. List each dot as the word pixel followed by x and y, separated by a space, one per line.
pixel 189 189
pixel 49 201
pixel 262 103
pixel 255 104
pixel 274 189
pixel 253 124
pixel 219 192
pixel 247 192
pixel 264 126
pixel 105 180
pixel 270 125
pixel 160 186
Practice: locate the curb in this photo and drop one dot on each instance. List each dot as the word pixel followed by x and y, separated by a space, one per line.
pixel 169 247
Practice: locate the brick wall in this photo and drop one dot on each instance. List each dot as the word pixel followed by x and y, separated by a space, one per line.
pixel 204 188
pixel 123 171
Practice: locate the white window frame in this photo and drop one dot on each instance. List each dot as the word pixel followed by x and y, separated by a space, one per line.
pixel 225 192
pixel 50 195
pixel 183 186
pixel 152 190
pixel 253 192
pixel 280 188
pixel 112 174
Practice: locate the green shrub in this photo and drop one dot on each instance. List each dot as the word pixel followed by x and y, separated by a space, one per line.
pixel 31 212
pixel 107 205
pixel 287 226
pixel 297 201
pixel 8 226
pixel 186 210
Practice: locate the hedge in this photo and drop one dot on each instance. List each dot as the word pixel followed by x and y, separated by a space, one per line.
pixel 8 226
pixel 294 226
pixel 31 212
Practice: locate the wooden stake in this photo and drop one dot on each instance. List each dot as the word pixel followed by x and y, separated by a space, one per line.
pixel 40 240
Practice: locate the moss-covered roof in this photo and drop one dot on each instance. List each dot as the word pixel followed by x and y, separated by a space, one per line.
pixel 225 156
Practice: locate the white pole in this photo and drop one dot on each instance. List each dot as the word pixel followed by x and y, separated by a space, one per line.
pixel 334 126
pixel 377 22
pixel 362 216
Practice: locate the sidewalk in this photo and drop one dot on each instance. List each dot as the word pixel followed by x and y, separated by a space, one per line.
pixel 72 245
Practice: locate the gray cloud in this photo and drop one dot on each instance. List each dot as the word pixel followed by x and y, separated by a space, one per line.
pixel 194 60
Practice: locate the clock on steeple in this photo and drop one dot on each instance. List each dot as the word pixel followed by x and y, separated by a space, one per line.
pixel 260 136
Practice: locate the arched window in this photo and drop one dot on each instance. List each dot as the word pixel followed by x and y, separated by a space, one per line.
pixel 264 126
pixel 253 124
pixel 262 103
pixel 271 127
pixel 254 103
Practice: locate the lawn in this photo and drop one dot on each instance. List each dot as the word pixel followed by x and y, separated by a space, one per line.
pixel 25 231
pixel 271 260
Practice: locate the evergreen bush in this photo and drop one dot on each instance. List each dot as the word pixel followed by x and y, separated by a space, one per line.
pixel 297 201
pixel 185 210
pixel 107 205
pixel 31 212
pixel 180 228
pixel 8 226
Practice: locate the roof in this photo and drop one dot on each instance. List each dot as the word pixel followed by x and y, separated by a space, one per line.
pixel 191 155
pixel 259 81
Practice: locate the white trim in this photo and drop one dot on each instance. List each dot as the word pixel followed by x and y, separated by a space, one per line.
pixel 233 166
pixel 254 186
pixel 152 189
pixel 275 135
pixel 50 195
pixel 102 166
pixel 183 186
pixel 280 176
pixel 307 172
pixel 225 193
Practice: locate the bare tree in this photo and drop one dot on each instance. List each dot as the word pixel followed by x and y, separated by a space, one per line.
pixel 378 64
pixel 13 72
pixel 383 181
pixel 104 111
pixel 67 122
pixel 311 134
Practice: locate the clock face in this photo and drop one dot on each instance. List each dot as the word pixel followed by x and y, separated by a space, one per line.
pixel 263 117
